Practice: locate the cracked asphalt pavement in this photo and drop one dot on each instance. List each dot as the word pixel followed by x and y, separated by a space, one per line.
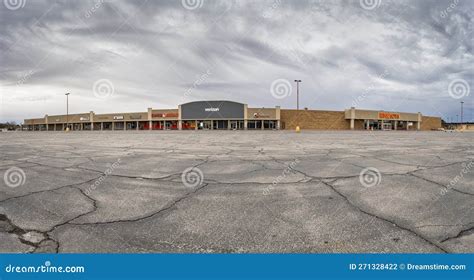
pixel 243 191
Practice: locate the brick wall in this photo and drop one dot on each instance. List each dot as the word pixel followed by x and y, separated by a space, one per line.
pixel 314 119
pixel 335 120
pixel 428 123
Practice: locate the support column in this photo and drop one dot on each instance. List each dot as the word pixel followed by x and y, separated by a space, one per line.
pixel 407 125
pixel 278 116
pixel 180 125
pixel 418 123
pixel 396 124
pixel 113 126
pixel 262 125
pixel 228 124
pixel 352 117
pixel 91 118
pixel 101 126
pixel 245 116
pixel 150 117
pixel 196 125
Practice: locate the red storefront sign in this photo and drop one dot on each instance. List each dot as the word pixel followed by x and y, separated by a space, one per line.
pixel 392 116
pixel 165 115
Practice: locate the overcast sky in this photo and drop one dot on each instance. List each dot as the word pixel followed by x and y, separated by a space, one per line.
pixel 119 56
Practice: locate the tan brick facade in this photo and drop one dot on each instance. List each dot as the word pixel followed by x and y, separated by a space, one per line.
pixel 336 120
pixel 313 119
pixel 429 123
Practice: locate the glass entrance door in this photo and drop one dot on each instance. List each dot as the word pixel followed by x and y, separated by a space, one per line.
pixel 204 125
pixel 386 125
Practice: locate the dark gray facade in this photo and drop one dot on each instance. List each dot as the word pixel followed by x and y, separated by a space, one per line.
pixel 201 110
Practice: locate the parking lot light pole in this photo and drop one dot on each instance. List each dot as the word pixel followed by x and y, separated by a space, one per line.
pixel 67 111
pixel 462 113
pixel 297 103
pixel 297 94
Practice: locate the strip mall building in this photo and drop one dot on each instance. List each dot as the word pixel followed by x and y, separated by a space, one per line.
pixel 223 115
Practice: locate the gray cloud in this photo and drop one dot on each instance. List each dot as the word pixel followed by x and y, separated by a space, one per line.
pixel 401 55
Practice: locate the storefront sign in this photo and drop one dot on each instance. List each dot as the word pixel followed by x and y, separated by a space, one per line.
pixel 260 115
pixel 392 116
pixel 165 115
pixel 135 117
pixel 202 110
pixel 118 117
pixel 83 119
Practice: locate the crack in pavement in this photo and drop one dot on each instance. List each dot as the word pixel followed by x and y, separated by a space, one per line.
pixel 21 234
pixel 163 210
pixel 441 185
pixel 385 219
pixel 464 232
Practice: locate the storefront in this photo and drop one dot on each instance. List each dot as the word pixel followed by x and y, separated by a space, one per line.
pixel 227 115
pixel 382 120
pixel 230 115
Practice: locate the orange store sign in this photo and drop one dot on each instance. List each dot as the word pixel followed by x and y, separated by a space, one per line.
pixel 393 116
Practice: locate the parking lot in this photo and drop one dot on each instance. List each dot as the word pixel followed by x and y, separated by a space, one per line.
pixel 237 191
